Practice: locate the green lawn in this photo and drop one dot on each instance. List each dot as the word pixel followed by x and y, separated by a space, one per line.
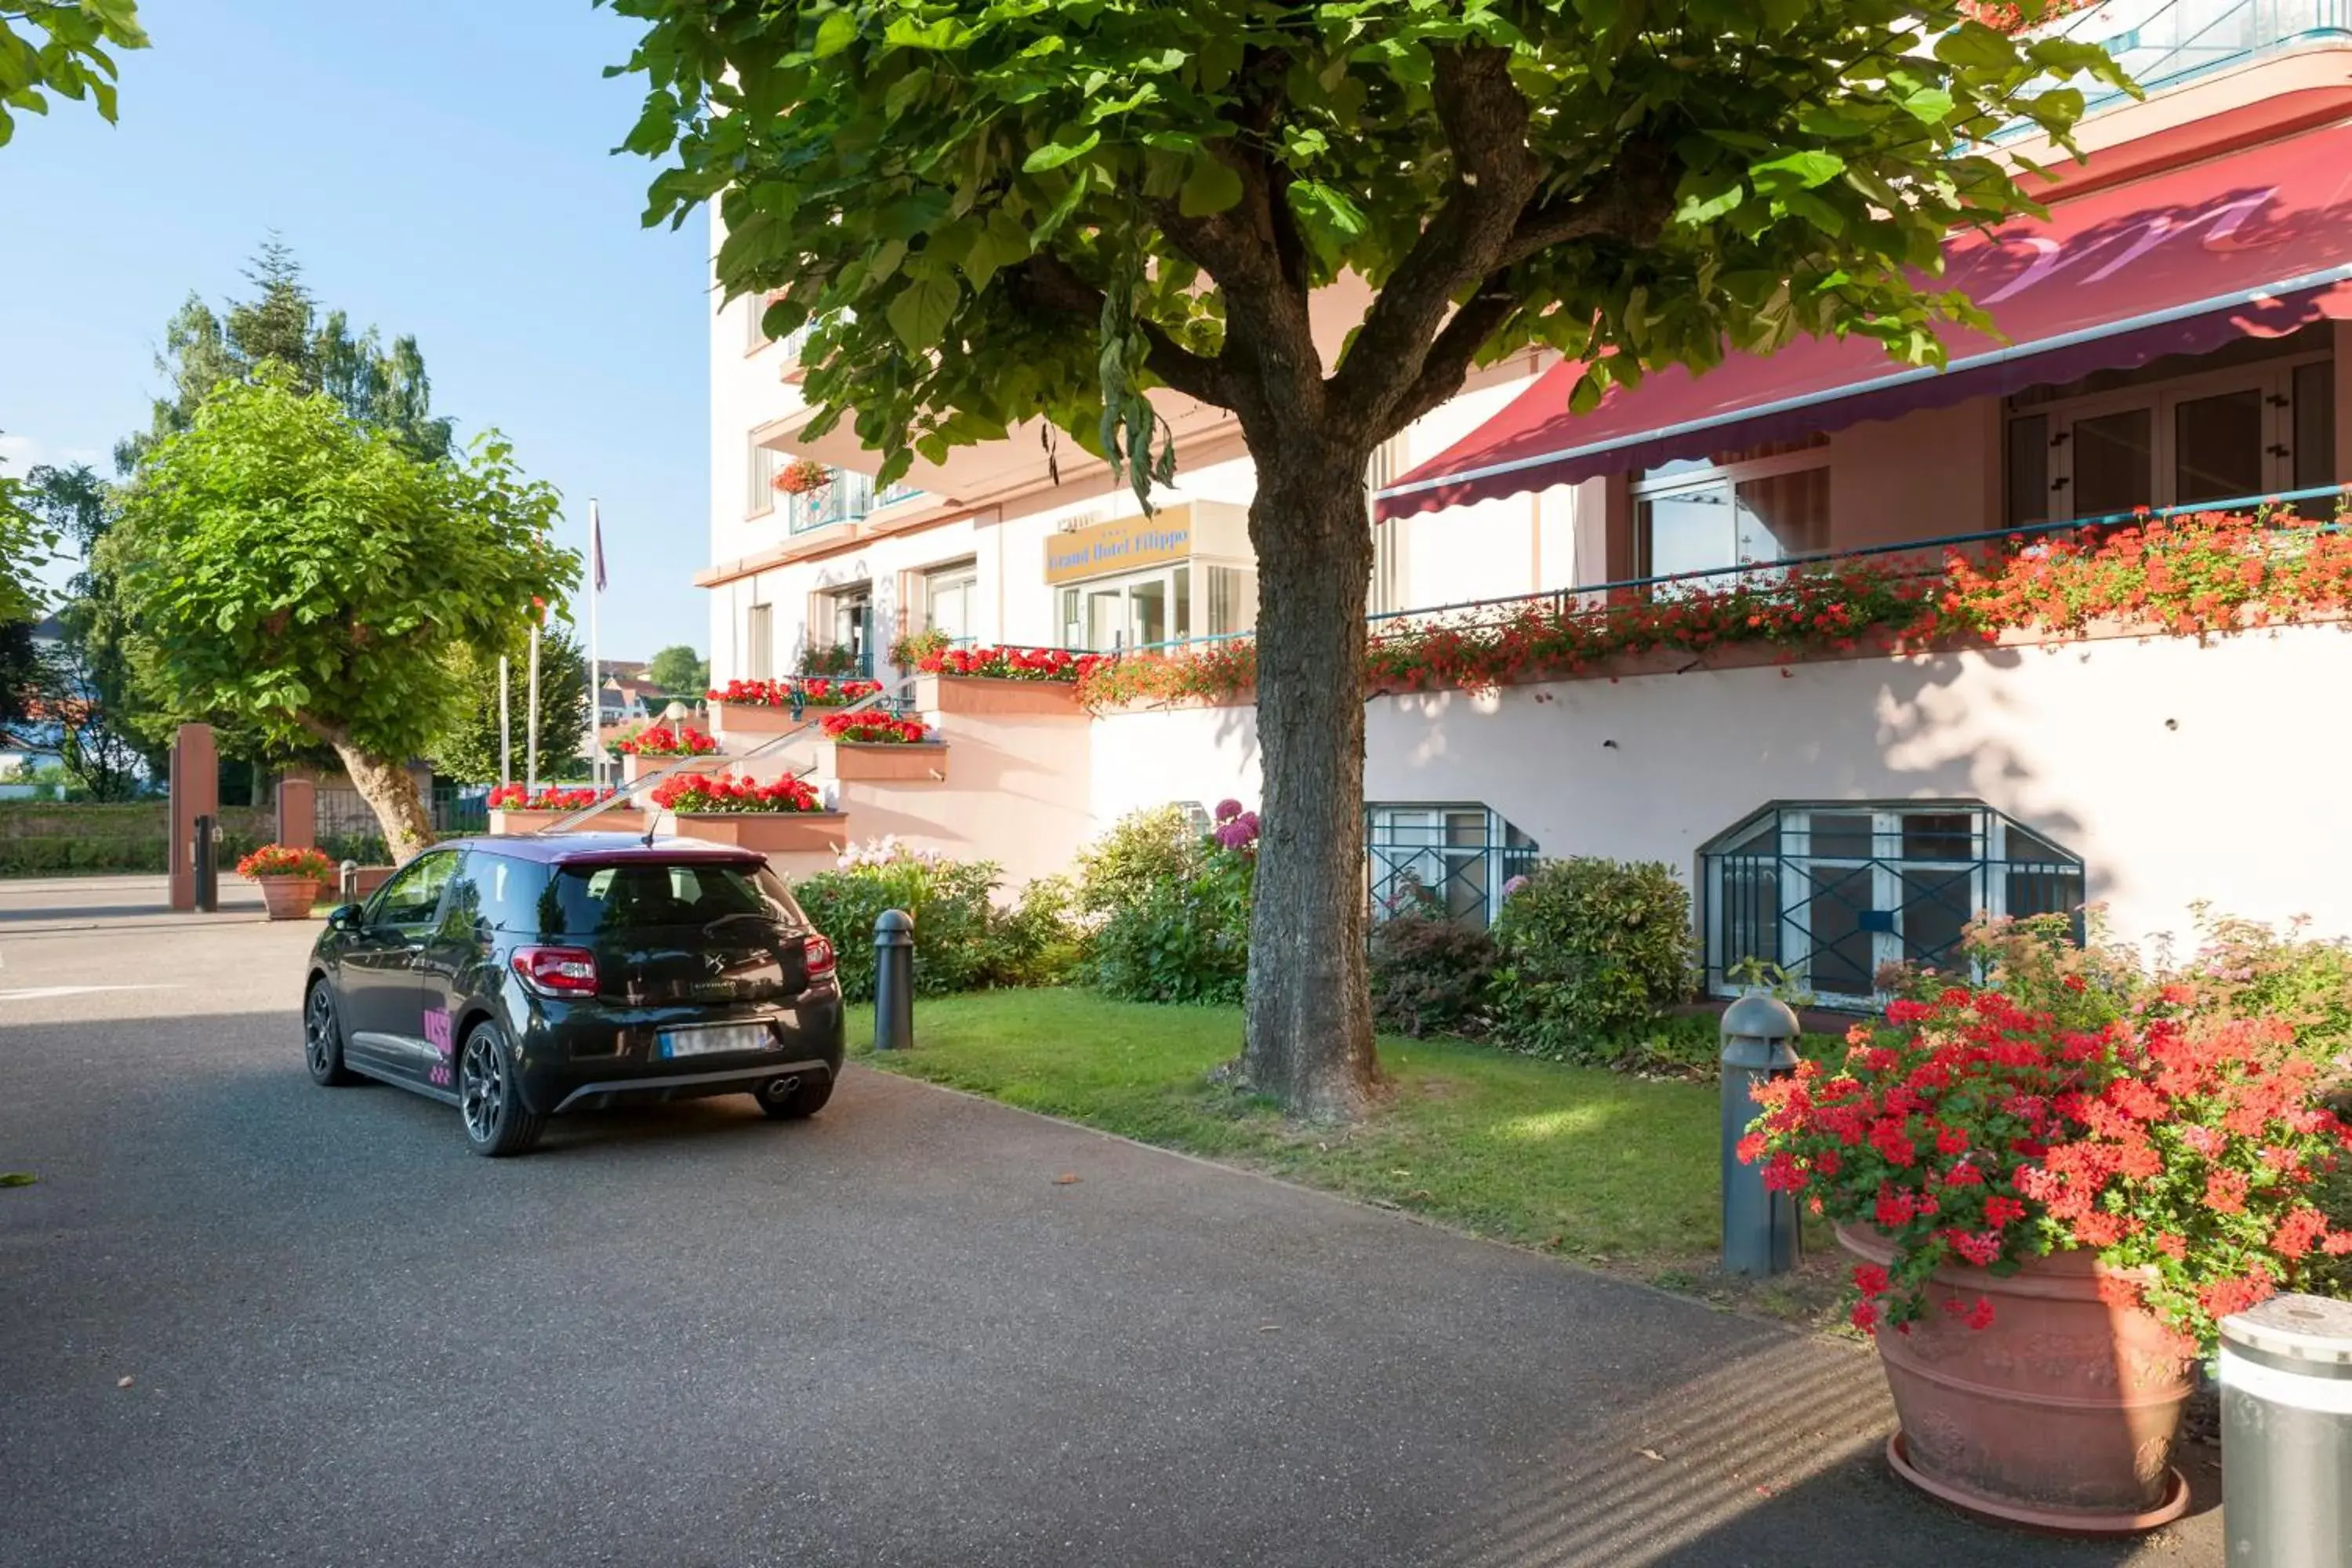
pixel 1595 1165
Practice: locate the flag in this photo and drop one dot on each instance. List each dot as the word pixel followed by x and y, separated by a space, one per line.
pixel 596 547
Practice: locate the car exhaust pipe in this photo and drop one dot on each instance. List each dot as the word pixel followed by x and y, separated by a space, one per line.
pixel 782 1088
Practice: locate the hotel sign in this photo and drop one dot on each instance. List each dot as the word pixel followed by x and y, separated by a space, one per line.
pixel 1125 545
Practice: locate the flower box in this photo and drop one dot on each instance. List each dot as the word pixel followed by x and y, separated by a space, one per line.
pixel 634 767
pixel 985 695
pixel 619 819
pixel 753 719
pixel 769 832
pixel 890 761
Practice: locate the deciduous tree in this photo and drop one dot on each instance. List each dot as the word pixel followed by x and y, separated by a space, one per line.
pixel 282 562
pixel 61 46
pixel 469 751
pixel 679 672
pixel 1003 211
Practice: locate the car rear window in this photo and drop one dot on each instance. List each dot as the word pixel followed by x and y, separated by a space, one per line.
pixel 635 894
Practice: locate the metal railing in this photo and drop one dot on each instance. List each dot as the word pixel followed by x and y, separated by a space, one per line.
pixel 1429 868
pixel 885 699
pixel 1832 892
pixel 1598 596
pixel 848 498
pixel 2163 44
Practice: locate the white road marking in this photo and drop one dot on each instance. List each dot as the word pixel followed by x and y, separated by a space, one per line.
pixel 40 993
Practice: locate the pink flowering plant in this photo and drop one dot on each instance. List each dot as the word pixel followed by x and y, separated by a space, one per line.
pixel 2185 1152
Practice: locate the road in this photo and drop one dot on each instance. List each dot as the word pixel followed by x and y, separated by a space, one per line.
pixel 249 1321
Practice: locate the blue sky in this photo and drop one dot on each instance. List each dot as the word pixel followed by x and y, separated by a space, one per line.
pixel 441 167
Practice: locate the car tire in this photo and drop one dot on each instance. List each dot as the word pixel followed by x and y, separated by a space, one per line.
pixel 491 1109
pixel 805 1101
pixel 322 1036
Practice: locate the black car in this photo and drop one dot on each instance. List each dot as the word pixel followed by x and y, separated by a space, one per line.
pixel 517 978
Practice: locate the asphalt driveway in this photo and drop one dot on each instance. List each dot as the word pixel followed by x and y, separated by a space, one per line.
pixel 245 1320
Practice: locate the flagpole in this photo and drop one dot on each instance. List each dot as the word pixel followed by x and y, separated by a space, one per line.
pixel 595 671
pixel 505 726
pixel 530 713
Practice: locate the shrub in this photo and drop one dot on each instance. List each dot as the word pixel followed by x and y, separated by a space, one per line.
pixel 1170 907
pixel 1143 851
pixel 1588 951
pixel 1184 941
pixel 963 941
pixel 1430 975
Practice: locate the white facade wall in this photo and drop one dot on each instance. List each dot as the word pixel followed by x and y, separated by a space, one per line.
pixel 2177 772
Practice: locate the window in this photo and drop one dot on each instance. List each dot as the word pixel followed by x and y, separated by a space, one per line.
pixel 755 336
pixel 951 597
pixel 1232 600
pixel 1735 509
pixel 1451 860
pixel 1387 589
pixel 1142 610
pixel 507 891
pixel 2253 420
pixel 762 469
pixel 1832 891
pixel 589 900
pixel 760 643
pixel 414 894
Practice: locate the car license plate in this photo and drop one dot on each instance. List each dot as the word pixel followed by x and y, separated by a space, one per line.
pixel 715 1040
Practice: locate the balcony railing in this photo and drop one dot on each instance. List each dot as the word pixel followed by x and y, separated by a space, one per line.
pixel 2163 44
pixel 846 499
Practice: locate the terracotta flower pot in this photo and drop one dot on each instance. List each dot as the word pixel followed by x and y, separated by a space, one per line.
pixel 992 695
pixel 769 832
pixel 2061 1413
pixel 885 761
pixel 289 898
pixel 619 819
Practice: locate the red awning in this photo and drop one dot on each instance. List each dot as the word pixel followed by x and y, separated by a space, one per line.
pixel 2255 243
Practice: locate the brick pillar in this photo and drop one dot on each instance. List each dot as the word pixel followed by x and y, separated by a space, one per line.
pixel 196 791
pixel 297 813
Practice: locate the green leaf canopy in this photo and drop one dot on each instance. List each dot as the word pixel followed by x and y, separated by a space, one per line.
pixel 286 565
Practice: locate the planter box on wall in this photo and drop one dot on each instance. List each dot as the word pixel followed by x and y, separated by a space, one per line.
pixel 619 819
pixel 858 761
pixel 991 694
pixel 753 719
pixel 634 767
pixel 769 832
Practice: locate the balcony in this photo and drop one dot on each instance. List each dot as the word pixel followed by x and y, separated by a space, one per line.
pixel 848 498
pixel 2163 44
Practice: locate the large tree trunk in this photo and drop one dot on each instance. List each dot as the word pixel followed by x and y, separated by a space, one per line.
pixel 1310 1028
pixel 391 791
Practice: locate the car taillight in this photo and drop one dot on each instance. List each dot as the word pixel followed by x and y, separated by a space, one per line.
pixel 819 953
pixel 557 971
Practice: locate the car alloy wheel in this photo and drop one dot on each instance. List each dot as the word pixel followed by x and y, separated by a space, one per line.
pixel 482 1087
pixel 498 1122
pixel 322 1039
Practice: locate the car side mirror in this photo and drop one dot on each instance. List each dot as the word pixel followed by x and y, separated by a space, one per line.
pixel 344 917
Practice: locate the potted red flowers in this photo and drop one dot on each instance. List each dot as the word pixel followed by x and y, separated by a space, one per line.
pixel 2050 1221
pixel 783 815
pixel 1031 680
pixel 802 475
pixel 771 707
pixel 879 747
pixel 659 744
pixel 290 879
pixel 514 809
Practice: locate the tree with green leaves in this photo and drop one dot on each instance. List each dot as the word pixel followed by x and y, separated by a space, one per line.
pixel 997 212
pixel 678 672
pixel 469 751
pixel 27 542
pixel 281 562
pixel 61 46
pixel 385 388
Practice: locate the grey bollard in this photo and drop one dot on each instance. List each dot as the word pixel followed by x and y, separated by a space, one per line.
pixel 350 885
pixel 208 852
pixel 1760 1227
pixel 894 981
pixel 2286 1433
